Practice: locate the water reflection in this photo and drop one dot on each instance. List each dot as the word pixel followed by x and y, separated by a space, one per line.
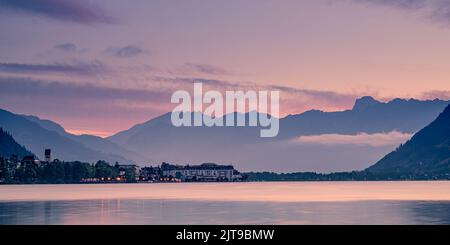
pixel 144 211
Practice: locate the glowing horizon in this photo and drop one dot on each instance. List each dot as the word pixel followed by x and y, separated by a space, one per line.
pixel 109 64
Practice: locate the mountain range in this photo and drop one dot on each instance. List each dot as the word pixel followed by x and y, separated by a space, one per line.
pixel 243 147
pixel 157 140
pixel 367 115
pixel 37 135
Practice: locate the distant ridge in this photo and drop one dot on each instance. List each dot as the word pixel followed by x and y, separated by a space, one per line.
pixel 93 142
pixel 242 146
pixel 37 136
pixel 428 151
pixel 157 140
pixel 367 116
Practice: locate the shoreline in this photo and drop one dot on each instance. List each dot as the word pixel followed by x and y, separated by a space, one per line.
pixel 227 182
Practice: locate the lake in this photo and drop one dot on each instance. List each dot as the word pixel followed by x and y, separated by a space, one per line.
pixel 426 202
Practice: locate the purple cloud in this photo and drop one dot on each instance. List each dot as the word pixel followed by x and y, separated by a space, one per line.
pixel 403 4
pixel 437 11
pixel 79 68
pixel 67 47
pixel 441 12
pixel 128 51
pixel 80 11
pixel 82 106
pixel 206 69
pixel 294 100
pixel 34 87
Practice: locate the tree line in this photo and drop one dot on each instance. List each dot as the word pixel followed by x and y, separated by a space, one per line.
pixel 346 176
pixel 58 172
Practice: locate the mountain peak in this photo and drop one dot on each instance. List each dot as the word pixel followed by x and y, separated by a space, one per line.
pixel 365 102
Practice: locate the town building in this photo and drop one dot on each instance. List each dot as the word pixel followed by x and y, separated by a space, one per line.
pixel 129 172
pixel 206 172
pixel 30 160
pixel 48 155
pixel 150 174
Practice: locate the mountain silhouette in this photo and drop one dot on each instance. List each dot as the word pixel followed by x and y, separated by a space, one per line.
pixel 160 140
pixel 93 142
pixel 428 151
pixel 365 102
pixel 9 147
pixel 367 116
pixel 37 135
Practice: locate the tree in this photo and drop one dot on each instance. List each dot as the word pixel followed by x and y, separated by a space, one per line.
pixel 28 172
pixel 130 175
pixel 104 171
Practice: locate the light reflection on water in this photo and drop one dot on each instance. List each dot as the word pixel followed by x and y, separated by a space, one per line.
pixel 135 211
pixel 228 203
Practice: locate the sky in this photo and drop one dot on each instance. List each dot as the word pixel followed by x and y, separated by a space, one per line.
pixel 99 67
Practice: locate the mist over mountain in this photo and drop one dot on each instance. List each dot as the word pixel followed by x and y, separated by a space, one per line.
pixel 9 147
pixel 242 146
pixel 310 141
pixel 428 151
pixel 367 116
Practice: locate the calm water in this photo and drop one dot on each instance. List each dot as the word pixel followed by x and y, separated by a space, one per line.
pixel 228 203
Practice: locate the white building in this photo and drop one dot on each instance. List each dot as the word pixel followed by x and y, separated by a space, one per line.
pixel 203 172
